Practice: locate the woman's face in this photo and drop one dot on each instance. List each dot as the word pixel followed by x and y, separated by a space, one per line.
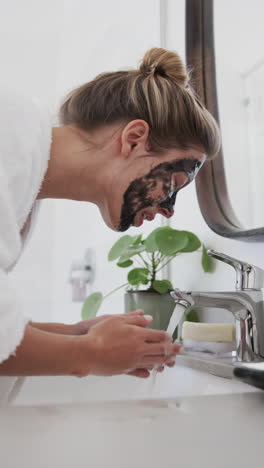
pixel 150 187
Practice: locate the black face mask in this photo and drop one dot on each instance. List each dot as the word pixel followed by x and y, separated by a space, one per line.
pixel 191 173
pixel 137 196
pixel 169 203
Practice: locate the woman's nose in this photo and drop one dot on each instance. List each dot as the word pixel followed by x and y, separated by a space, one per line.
pixel 166 212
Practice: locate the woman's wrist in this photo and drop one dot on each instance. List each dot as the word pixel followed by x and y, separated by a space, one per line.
pixel 74 352
pixel 83 356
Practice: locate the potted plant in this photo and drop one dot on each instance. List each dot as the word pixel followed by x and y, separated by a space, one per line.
pixel 148 257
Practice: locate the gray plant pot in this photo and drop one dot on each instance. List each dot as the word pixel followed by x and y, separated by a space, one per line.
pixel 159 306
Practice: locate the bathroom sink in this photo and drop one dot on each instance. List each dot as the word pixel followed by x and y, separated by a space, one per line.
pixel 174 382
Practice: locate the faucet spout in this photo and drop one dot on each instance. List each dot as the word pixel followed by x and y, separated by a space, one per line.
pixel 246 307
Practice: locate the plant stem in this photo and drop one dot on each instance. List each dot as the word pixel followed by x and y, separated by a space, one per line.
pixel 166 263
pixel 153 270
pixel 139 263
pixel 116 289
pixel 149 255
pixel 144 261
pixel 159 258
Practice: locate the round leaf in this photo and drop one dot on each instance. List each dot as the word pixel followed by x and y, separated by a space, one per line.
pixel 150 242
pixel 137 276
pixel 119 247
pixel 207 261
pixel 145 281
pixel 130 252
pixel 91 305
pixel 126 264
pixel 162 286
pixel 137 239
pixel 170 241
pixel 193 242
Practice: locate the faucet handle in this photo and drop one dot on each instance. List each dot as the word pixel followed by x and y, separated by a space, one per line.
pixel 247 276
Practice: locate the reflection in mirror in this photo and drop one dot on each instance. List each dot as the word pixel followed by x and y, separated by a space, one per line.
pixel 239 54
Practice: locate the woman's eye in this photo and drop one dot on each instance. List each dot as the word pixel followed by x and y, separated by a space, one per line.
pixel 173 188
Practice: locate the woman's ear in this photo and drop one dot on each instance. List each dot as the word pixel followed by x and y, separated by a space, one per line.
pixel 134 138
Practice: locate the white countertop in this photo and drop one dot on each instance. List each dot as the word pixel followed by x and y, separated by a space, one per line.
pixel 191 419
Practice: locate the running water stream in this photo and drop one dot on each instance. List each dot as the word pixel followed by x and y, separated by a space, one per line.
pixel 173 323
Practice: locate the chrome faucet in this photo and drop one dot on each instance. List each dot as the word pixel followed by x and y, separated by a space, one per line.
pixel 245 303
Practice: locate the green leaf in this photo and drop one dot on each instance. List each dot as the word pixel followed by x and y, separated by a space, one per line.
pixel 150 242
pixel 207 262
pixel 193 242
pixel 145 281
pixel 137 239
pixel 162 286
pixel 119 247
pixel 91 305
pixel 192 316
pixel 137 276
pixel 170 241
pixel 130 252
pixel 126 264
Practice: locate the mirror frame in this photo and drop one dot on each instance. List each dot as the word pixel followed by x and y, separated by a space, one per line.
pixel 211 184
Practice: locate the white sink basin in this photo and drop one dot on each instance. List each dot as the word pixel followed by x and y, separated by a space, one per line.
pixel 178 381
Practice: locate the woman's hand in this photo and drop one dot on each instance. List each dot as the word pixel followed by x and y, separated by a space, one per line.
pixel 76 329
pixel 123 345
pixel 83 327
pixel 115 345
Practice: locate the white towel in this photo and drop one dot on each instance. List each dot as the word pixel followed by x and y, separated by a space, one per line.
pixel 25 139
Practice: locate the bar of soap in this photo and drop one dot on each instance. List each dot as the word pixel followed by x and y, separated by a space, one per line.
pixel 214 332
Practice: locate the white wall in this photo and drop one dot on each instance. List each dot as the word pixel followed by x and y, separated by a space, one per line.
pixel 49 49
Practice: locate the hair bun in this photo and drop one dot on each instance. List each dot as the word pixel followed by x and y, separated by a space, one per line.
pixel 165 63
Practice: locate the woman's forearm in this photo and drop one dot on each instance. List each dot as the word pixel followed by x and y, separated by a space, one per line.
pixel 115 345
pixel 58 328
pixel 43 353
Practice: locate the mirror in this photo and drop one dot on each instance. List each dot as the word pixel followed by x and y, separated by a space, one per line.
pixel 224 49
pixel 239 56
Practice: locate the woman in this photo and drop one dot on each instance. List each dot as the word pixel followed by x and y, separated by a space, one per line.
pixel 128 142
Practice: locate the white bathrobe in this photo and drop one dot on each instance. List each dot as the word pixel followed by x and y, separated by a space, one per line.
pixel 25 140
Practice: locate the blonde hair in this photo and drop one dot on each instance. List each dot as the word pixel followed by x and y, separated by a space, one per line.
pixel 159 92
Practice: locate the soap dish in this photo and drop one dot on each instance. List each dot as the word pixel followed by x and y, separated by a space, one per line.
pixel 209 346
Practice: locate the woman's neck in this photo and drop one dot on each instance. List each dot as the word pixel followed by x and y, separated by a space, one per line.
pixel 77 166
